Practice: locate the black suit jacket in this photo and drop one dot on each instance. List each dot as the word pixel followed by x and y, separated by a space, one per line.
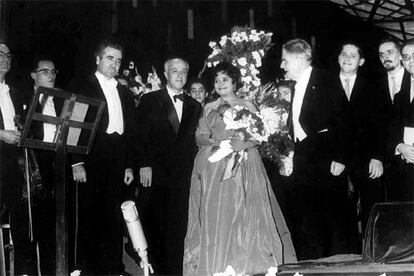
pixel 92 88
pixel 384 92
pixel 367 135
pixel 321 110
pixel 403 116
pixel 169 154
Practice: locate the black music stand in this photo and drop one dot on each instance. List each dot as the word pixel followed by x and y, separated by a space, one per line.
pixel 76 127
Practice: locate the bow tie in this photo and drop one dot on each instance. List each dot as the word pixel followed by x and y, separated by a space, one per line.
pixel 179 96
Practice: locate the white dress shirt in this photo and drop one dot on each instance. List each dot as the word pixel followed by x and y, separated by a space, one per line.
pixel 113 102
pixel 7 108
pixel 48 108
pixel 300 89
pixel 351 83
pixel 177 104
pixel 398 80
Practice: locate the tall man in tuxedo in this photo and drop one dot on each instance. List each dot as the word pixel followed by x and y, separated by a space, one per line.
pixel 401 140
pixel 167 120
pixel 103 173
pixel 395 80
pixel 367 143
pixel 11 177
pixel 319 187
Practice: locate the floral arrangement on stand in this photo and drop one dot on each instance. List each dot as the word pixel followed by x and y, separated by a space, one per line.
pixel 245 48
pixel 133 80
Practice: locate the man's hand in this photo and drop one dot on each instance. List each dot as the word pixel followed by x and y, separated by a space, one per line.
pixel 128 176
pixel 145 175
pixel 407 152
pixel 10 136
pixel 79 173
pixel 337 168
pixel 375 169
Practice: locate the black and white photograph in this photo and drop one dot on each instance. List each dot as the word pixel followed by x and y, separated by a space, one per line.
pixel 206 137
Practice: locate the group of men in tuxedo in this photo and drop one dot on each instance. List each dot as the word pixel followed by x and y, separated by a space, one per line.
pixel 348 133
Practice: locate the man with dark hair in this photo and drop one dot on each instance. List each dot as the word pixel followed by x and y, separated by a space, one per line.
pixel 367 141
pixel 12 181
pixel 102 174
pixel 401 140
pixel 320 191
pixel 167 120
pixel 395 80
pixel 43 73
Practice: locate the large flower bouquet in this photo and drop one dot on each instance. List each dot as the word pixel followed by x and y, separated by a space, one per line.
pixel 244 48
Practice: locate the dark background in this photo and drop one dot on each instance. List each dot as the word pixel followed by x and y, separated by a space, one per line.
pixel 156 29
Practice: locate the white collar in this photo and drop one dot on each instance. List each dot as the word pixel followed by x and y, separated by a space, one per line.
pixel 399 74
pixel 104 80
pixel 172 93
pixel 304 78
pixel 343 77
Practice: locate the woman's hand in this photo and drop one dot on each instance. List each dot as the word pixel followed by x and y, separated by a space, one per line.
pixel 225 135
pixel 239 145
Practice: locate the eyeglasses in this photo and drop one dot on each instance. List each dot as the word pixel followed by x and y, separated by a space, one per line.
pixel 407 57
pixel 4 55
pixel 47 72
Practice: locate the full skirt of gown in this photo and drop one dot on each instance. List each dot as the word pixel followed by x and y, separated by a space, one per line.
pixel 234 222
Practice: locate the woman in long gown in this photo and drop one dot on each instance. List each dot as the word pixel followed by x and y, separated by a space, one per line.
pixel 236 221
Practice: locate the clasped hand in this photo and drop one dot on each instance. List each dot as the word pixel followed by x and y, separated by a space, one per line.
pixel 10 136
pixel 407 152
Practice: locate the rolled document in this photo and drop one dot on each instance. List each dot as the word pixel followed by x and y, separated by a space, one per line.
pixel 136 234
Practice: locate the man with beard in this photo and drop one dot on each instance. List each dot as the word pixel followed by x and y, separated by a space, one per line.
pixel 395 81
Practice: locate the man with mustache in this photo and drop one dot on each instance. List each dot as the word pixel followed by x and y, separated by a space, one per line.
pixel 395 81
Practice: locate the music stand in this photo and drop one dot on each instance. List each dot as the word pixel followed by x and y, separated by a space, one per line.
pixel 77 123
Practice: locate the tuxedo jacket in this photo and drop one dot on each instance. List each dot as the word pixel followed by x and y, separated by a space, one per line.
pixel 403 117
pixel 169 154
pixel 126 155
pixel 364 118
pixel 384 93
pixel 321 117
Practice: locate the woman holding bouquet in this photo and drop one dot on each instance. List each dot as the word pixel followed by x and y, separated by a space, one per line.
pixel 234 218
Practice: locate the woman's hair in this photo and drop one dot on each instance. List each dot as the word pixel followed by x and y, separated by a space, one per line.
pixel 229 70
pixel 286 83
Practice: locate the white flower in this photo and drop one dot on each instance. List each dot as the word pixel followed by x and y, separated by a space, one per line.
pixel 287 165
pixel 75 273
pixel 242 61
pixel 212 44
pixel 209 64
pixel 243 72
pixel 271 271
pixel 247 79
pixel 223 40
pixel 215 63
pixel 261 52
pixel 256 82
pixel 257 58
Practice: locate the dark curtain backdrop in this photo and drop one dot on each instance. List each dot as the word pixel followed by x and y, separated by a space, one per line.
pixel 155 30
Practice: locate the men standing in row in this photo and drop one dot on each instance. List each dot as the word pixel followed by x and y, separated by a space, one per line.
pixel 401 141
pixel 11 177
pixel 367 141
pixel 102 174
pixel 167 120
pixel 319 188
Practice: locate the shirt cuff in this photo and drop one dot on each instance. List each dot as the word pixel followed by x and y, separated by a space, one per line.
pixel 76 164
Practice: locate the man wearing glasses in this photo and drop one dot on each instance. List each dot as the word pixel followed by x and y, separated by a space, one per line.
pixel 43 74
pixel 11 178
pixel 401 143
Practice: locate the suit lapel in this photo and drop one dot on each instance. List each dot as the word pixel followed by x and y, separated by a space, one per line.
pixel 169 110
